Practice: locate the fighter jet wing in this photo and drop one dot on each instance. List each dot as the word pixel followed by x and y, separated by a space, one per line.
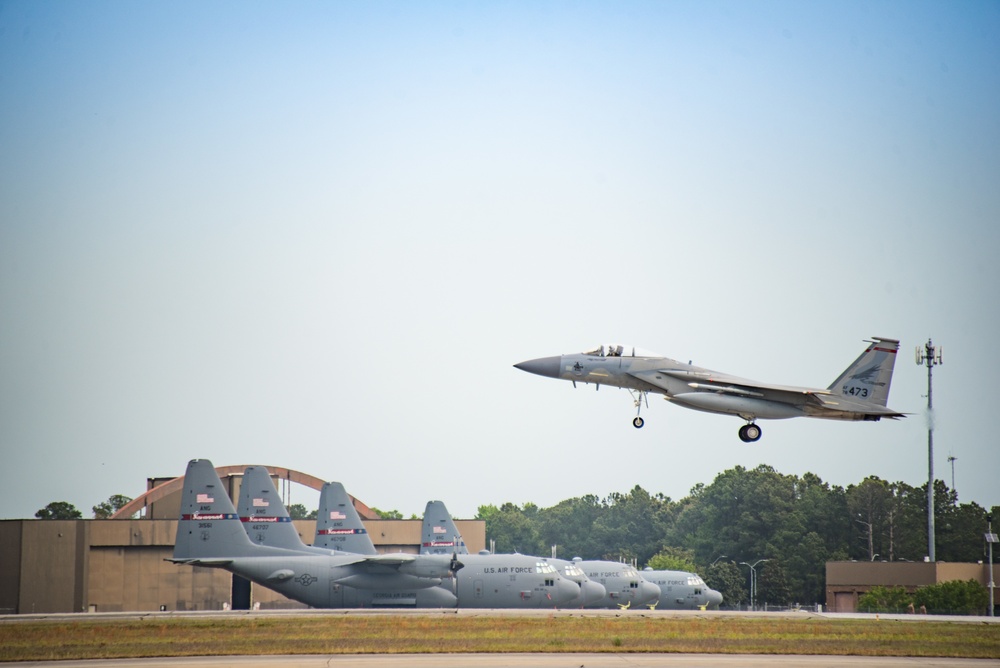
pixel 713 381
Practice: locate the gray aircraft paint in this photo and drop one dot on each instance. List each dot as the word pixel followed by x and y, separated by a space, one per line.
pixel 680 590
pixel 591 593
pixel 861 392
pixel 440 535
pixel 510 581
pixel 623 585
pixel 338 525
pixel 483 577
pixel 264 515
pixel 485 581
pixel 211 534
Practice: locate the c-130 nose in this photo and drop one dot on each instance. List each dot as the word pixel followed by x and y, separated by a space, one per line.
pixel 543 366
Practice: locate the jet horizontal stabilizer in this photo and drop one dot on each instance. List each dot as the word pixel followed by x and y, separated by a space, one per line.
pixel 201 562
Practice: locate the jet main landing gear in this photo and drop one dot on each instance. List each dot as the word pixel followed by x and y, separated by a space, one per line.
pixel 749 433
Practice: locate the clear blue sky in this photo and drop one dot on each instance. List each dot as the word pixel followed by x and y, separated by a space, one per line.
pixel 318 235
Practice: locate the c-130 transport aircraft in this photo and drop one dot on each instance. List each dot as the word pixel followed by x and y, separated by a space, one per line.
pixel 477 581
pixel 210 533
pixel 859 393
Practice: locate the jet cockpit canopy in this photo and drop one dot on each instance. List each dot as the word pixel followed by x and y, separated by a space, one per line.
pixel 615 350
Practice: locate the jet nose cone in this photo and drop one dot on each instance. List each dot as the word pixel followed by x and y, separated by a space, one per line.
pixel 566 592
pixel 714 599
pixel 543 366
pixel 648 593
pixel 592 592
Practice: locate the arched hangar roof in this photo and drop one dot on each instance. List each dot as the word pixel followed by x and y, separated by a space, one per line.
pixel 174 486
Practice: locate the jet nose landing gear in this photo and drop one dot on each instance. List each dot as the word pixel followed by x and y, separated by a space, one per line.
pixel 638 397
pixel 749 433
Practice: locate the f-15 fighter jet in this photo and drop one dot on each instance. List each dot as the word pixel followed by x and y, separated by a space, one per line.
pixel 859 393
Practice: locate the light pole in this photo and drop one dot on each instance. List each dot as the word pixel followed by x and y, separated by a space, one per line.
pixel 753 582
pixel 721 556
pixel 930 356
pixel 990 539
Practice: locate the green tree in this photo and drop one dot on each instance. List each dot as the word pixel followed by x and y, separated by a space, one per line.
pixel 569 525
pixel 772 584
pixel 959 532
pixel 866 502
pixel 59 510
pixel 106 509
pixel 297 511
pixel 387 514
pixel 953 598
pixel 673 559
pixel 630 526
pixel 885 599
pixel 760 514
pixel 515 529
pixel 725 577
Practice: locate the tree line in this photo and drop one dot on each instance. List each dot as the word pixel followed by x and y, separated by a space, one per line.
pixel 792 525
pixel 795 523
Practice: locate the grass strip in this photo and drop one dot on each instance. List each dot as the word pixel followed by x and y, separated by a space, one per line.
pixel 117 639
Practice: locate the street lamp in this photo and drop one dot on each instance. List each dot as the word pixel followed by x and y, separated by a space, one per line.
pixel 753 581
pixel 990 539
pixel 721 556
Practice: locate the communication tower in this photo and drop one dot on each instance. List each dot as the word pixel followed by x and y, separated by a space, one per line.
pixel 931 356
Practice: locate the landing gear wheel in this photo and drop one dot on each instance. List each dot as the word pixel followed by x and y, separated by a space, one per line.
pixel 637 422
pixel 749 433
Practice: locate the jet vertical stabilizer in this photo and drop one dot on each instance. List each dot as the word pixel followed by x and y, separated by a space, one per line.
pixel 264 516
pixel 440 535
pixel 209 531
pixel 870 376
pixel 338 525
